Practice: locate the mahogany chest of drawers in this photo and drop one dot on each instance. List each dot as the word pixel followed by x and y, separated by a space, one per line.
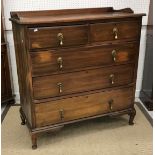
pixel 75 65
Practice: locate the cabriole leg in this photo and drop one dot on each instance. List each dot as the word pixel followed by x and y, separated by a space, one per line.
pixel 22 116
pixel 34 141
pixel 132 116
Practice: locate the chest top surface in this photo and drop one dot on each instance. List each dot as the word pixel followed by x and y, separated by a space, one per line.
pixel 71 15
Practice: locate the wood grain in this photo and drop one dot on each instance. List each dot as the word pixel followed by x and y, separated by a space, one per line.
pixel 88 67
pixel 6 90
pixel 76 82
pixel 23 71
pixel 104 31
pixel 44 37
pixel 70 15
pixel 45 62
pixel 84 106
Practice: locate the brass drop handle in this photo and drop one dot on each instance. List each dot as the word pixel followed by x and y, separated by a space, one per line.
pixel 114 53
pixel 115 31
pixel 60 87
pixel 61 112
pixel 111 104
pixel 60 61
pixel 112 78
pixel 60 37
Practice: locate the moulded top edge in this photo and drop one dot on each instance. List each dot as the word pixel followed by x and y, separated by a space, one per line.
pixel 70 15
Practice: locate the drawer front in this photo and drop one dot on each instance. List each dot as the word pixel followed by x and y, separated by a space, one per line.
pixel 83 106
pixel 115 31
pixel 48 62
pixel 46 37
pixel 63 84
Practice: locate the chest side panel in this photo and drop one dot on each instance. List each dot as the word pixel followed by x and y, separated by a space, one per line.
pixel 23 70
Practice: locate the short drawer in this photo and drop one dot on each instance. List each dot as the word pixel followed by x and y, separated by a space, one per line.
pixel 64 84
pixel 46 37
pixel 83 106
pixel 59 61
pixel 115 31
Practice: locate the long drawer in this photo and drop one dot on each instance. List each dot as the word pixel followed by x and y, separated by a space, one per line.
pixel 58 61
pixel 83 106
pixel 100 32
pixel 63 84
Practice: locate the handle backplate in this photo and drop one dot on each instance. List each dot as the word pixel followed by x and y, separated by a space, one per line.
pixel 61 112
pixel 60 87
pixel 60 61
pixel 112 76
pixel 114 53
pixel 60 37
pixel 115 32
pixel 111 104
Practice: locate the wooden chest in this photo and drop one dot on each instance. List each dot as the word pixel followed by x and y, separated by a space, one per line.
pixel 75 65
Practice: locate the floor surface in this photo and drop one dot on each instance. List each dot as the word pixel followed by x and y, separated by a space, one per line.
pixel 102 136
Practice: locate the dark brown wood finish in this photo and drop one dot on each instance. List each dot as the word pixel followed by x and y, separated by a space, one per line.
pixel 6 89
pixel 48 86
pixel 45 37
pixel 7 96
pixel 24 74
pixel 75 65
pixel 101 32
pixel 71 15
pixel 72 108
pixel 146 93
pixel 47 62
